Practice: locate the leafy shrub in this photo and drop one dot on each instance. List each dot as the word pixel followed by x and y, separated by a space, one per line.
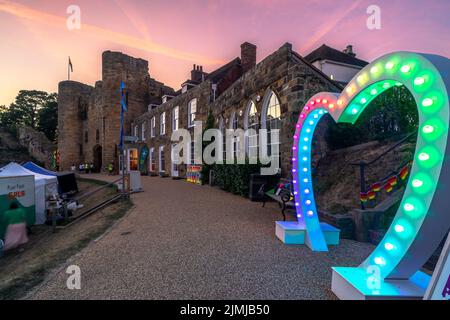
pixel 234 178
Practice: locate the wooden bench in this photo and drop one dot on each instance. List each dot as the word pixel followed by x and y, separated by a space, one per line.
pixel 283 194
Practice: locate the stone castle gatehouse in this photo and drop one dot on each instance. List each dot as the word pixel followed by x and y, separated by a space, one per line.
pixel 89 117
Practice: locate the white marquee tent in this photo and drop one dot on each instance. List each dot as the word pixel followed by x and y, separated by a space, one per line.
pixel 44 186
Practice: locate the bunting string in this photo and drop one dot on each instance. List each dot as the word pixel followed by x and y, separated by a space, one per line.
pixel 386 185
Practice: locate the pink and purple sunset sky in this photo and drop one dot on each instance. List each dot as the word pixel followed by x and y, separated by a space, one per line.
pixel 174 35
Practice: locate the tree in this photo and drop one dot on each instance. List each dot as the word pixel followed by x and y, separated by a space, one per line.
pixel 5 120
pixel 36 109
pixel 48 119
pixel 27 105
pixel 8 118
pixel 393 113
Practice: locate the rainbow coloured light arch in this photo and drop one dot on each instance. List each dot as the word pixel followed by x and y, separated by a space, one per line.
pixel 307 215
pixel 421 220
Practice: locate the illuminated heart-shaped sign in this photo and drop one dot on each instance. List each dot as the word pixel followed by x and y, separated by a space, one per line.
pixel 423 217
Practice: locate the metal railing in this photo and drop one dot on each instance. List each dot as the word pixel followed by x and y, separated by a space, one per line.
pixel 64 211
pixel 363 164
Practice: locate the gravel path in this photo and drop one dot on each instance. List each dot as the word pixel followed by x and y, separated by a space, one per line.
pixel 183 241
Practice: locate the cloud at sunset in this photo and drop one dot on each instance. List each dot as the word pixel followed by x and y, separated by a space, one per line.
pixel 25 12
pixel 173 35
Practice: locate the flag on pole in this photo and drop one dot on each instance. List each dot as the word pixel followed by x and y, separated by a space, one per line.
pixel 124 98
pixel 123 109
pixel 69 69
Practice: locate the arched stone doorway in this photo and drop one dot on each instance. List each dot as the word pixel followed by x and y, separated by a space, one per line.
pixel 98 158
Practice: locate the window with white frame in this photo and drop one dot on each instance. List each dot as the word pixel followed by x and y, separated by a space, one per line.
pixel 162 124
pixel 192 153
pixel 153 127
pixel 272 119
pixel 162 160
pixel 136 131
pixel 192 111
pixel 143 131
pixel 174 161
pixel 152 162
pixel 175 115
pixel 252 122
pixel 222 130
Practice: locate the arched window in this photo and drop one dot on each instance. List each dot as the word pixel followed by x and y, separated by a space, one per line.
pixel 97 136
pixel 272 112
pixel 271 118
pixel 251 123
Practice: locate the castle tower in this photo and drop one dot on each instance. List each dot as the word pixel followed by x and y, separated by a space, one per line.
pixel 89 117
pixel 72 107
pixel 117 67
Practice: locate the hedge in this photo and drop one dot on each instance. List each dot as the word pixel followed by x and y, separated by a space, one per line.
pixel 234 178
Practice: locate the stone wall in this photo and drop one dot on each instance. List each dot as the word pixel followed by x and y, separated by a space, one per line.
pixel 343 222
pixel 37 144
pixel 11 150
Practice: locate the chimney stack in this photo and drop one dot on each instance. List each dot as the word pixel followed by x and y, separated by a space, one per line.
pixel 349 51
pixel 248 56
pixel 197 74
